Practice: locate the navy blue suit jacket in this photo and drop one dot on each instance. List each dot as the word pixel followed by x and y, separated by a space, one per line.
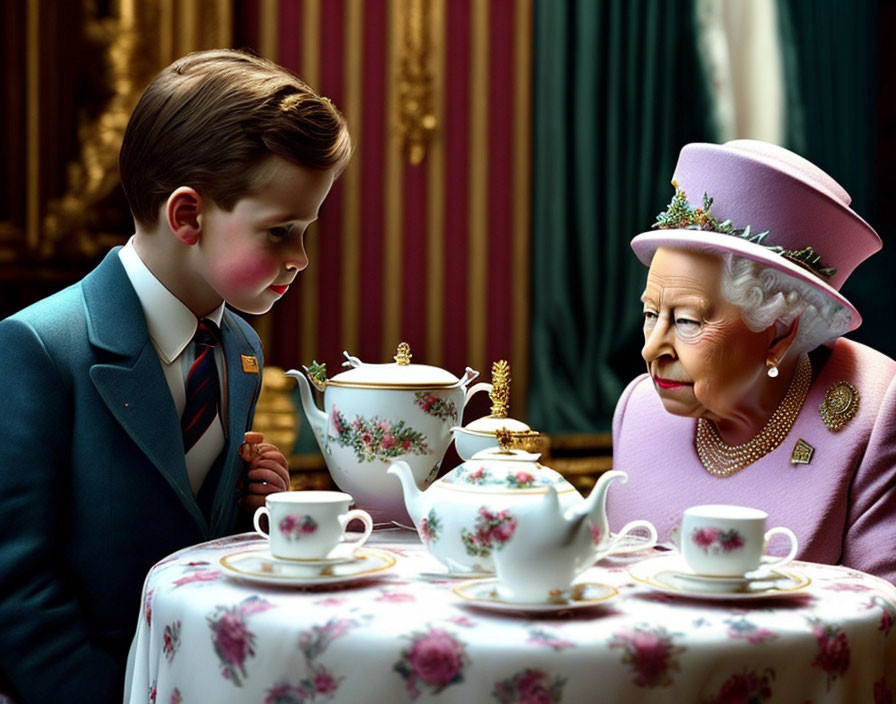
pixel 93 483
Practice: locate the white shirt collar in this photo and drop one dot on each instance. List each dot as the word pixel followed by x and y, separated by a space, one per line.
pixel 171 324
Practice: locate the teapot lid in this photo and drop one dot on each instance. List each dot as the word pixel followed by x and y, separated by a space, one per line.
pixel 400 374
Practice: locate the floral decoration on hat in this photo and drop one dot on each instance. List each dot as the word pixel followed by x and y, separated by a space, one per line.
pixel 681 215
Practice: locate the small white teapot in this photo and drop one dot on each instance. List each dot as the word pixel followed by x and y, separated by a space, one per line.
pixel 475 513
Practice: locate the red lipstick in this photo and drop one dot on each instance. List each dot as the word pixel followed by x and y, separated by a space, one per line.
pixel 279 290
pixel 669 383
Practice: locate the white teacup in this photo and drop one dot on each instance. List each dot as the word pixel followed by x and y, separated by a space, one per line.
pixel 309 525
pixel 729 541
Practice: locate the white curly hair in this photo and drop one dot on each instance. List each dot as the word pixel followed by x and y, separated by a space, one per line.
pixel 768 297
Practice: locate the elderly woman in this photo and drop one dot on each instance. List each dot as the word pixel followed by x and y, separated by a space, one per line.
pixel 752 396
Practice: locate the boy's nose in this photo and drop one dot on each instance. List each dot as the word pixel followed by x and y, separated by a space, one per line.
pixel 296 258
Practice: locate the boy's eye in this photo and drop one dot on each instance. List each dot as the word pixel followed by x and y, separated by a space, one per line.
pixel 280 233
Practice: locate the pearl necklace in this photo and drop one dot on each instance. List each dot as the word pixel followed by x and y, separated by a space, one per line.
pixel 723 460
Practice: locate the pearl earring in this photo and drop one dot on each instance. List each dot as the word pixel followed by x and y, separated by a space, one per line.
pixel 772 368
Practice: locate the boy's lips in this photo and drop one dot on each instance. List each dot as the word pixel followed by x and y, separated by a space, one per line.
pixel 670 383
pixel 279 290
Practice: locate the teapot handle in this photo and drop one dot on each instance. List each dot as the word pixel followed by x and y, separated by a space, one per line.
pixel 623 542
pixel 481 386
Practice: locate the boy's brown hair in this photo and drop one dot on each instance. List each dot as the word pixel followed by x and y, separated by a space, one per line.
pixel 211 118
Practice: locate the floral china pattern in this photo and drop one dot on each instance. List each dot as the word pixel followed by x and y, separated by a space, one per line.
pixel 712 539
pixel 430 527
pixel 295 527
pixel 492 530
pixel 470 474
pixel 233 642
pixel 435 660
pixel 441 408
pixel 377 439
pixel 530 686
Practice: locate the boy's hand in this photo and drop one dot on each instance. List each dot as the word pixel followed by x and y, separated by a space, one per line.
pixel 268 470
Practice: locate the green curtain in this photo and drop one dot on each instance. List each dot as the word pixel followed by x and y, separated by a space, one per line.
pixel 617 92
pixel 832 80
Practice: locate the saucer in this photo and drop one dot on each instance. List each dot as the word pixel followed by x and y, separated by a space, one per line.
pixel 669 573
pixel 259 566
pixel 341 553
pixel 484 593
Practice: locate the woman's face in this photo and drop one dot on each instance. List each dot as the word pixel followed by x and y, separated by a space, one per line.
pixel 703 359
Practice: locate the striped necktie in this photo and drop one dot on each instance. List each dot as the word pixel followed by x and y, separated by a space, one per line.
pixel 203 388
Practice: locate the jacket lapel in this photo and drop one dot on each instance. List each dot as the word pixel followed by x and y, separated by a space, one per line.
pixel 243 385
pixel 131 381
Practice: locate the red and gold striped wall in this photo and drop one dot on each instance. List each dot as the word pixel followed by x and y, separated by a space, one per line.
pixel 434 253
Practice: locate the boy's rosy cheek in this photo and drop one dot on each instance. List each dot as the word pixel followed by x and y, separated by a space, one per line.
pixel 250 272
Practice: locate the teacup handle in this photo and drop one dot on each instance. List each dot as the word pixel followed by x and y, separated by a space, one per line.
pixel 769 560
pixel 364 517
pixel 628 528
pixel 256 520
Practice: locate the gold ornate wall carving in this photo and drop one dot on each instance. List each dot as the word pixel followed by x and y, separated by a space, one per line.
pixel 125 43
pixel 416 114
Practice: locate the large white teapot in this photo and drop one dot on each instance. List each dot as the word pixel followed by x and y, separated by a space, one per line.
pixel 470 515
pixel 375 414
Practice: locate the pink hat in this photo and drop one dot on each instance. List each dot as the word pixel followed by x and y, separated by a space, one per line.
pixel 767 204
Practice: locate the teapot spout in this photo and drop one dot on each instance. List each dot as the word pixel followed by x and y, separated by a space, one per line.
pixel 413 497
pixel 317 419
pixel 595 506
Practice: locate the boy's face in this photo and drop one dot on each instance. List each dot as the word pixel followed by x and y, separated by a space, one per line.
pixel 250 255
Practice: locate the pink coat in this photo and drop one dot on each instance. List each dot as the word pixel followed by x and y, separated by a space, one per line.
pixel 842 505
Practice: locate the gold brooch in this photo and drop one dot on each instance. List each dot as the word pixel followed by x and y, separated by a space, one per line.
pixel 840 405
pixel 802 452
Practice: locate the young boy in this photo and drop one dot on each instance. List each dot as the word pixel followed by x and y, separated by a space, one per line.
pixel 122 432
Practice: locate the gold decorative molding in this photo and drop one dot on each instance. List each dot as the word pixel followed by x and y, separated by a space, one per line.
pixel 134 54
pixel 416 116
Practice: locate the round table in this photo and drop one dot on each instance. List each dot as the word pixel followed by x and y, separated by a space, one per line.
pixel 405 635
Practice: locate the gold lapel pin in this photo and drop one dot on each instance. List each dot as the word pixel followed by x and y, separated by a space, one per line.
pixel 250 363
pixel 802 452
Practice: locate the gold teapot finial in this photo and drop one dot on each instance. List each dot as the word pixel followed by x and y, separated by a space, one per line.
pixel 505 439
pixel 500 393
pixel 403 355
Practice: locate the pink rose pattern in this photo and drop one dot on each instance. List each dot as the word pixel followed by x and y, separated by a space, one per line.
pixel 888 613
pixel 441 408
pixel 430 527
pixel 833 651
pixel 375 439
pixel 434 660
pixel 529 686
pixel 493 530
pixel 294 527
pixel 712 539
pixel 319 681
pixel 233 642
pixel 520 480
pixel 176 697
pixel 651 653
pixel 747 687
pixel 171 640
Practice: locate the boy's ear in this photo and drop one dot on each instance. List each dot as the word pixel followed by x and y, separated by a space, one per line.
pixel 183 212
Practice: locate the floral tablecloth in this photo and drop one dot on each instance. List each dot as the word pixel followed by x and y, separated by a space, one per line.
pixel 405 636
